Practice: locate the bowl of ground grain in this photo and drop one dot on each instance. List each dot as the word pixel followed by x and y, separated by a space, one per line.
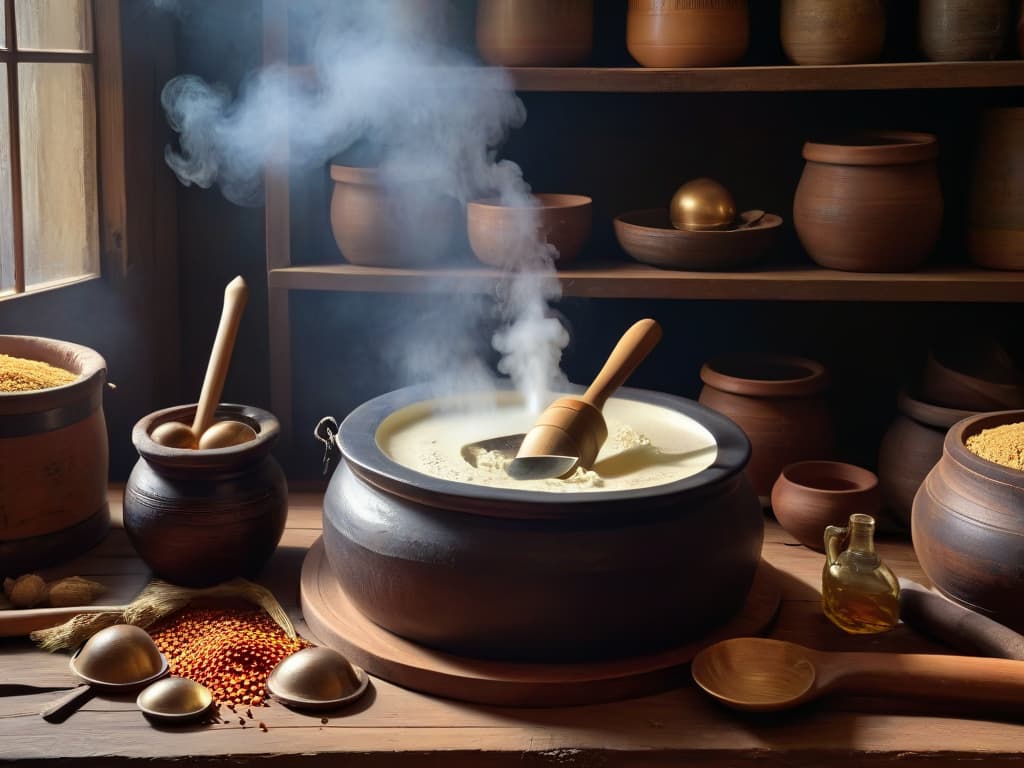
pixel 967 521
pixel 53 452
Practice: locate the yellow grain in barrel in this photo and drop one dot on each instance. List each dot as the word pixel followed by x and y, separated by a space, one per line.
pixel 18 374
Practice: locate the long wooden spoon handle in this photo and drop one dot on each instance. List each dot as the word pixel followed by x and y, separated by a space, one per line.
pixel 235 296
pixel 932 676
pixel 635 344
pixel 24 622
pixel 66 705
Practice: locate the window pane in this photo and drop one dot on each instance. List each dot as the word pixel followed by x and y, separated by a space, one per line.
pixel 53 25
pixel 6 226
pixel 58 171
pixel 3 25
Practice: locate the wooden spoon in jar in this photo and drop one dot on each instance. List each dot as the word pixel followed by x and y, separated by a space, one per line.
pixel 201 434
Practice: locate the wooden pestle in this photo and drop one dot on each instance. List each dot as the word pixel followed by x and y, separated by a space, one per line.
pixel 177 435
pixel 575 427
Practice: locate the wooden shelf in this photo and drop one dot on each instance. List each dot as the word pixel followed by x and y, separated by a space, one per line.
pixel 845 77
pixel 621 281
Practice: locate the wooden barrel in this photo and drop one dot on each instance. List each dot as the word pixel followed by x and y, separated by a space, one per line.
pixel 53 460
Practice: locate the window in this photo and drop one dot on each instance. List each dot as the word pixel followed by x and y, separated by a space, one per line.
pixel 49 206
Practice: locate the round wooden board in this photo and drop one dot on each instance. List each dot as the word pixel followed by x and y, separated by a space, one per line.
pixel 338 624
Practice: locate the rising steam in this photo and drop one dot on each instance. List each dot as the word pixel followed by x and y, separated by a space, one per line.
pixel 383 84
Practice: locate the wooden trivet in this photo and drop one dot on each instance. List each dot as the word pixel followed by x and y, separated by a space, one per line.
pixel 338 624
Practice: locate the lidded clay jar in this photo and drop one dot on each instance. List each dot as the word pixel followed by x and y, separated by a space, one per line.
pixel 534 33
pixel 816 32
pixel 871 202
pixel 687 33
pixel 779 402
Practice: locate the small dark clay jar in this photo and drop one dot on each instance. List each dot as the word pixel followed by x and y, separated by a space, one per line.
pixel 202 517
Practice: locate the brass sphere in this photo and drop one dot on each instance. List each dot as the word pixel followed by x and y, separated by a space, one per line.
pixel 702 204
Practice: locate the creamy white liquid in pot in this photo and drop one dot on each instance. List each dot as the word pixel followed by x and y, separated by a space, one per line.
pixel 647 445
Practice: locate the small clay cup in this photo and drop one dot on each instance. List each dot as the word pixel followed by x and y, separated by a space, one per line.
pixel 779 403
pixel 687 33
pixel 816 32
pixel 909 449
pixel 507 236
pixel 200 517
pixel 870 202
pixel 967 526
pixel 812 495
pixel 963 30
pixel 972 374
pixel 535 33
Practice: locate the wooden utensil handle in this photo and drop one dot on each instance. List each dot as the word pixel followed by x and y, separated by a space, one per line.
pixel 958 627
pixel 63 707
pixel 635 344
pixel 19 623
pixel 236 294
pixel 932 676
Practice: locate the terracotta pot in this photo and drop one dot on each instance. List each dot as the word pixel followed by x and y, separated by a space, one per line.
pixel 535 33
pixel 871 203
pixel 809 496
pixel 383 222
pixel 200 517
pixel 534 575
pixel 963 30
pixel 909 449
pixel 972 373
pixel 832 31
pixel 504 235
pixel 687 33
pixel 996 221
pixel 967 526
pixel 53 460
pixel 779 403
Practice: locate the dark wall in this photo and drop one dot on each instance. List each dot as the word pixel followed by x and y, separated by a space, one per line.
pixel 626 151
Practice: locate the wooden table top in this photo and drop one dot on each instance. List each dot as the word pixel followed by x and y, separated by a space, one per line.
pixel 395 726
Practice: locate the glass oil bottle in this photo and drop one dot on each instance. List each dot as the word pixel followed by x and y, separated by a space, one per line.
pixel 859 593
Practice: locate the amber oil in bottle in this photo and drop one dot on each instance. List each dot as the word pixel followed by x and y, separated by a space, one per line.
pixel 859 593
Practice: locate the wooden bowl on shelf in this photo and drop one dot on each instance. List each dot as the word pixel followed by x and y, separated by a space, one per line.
pixel 513 236
pixel 690 33
pixel 649 237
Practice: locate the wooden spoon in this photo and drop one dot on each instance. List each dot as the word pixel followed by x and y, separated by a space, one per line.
pixel 571 430
pixel 174 434
pixel 760 674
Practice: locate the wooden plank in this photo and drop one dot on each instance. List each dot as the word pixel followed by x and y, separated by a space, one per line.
pixel 605 280
pixel 111 138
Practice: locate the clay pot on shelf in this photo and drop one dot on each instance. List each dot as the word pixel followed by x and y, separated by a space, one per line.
pixel 779 402
pixel 974 374
pixel 200 517
pixel 963 30
pixel 816 32
pixel 53 460
pixel 995 236
pixel 507 236
pixel 535 33
pixel 809 496
pixel 909 449
pixel 384 221
pixel 967 527
pixel 870 203
pixel 687 33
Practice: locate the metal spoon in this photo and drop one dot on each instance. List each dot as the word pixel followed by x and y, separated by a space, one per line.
pixel 760 674
pixel 175 700
pixel 317 679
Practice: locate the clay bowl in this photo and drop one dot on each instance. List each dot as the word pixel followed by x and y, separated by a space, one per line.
pixel 687 34
pixel 910 448
pixel 200 517
pixel 967 527
pixel 508 236
pixel 650 238
pixel 972 374
pixel 811 495
pixel 534 33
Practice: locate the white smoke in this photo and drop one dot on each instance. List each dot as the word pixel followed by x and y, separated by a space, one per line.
pixel 382 81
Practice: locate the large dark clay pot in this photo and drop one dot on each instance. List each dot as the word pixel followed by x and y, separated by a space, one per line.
pixel 528 575
pixel 968 525
pixel 202 517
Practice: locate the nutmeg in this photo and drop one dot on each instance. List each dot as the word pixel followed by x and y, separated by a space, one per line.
pixel 74 590
pixel 25 591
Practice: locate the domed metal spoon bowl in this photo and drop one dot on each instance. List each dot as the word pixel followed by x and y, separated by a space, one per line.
pixel 175 700
pixel 317 679
pixel 117 659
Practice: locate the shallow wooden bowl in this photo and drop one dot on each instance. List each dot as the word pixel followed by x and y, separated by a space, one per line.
pixel 649 237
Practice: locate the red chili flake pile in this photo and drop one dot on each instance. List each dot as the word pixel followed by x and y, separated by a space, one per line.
pixel 231 651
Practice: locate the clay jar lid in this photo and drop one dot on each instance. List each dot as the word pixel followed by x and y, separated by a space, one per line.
pixel 875 148
pixel 765 375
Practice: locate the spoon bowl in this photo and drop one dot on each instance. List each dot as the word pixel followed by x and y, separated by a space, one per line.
pixel 317 679
pixel 175 700
pixel 224 434
pixel 764 675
